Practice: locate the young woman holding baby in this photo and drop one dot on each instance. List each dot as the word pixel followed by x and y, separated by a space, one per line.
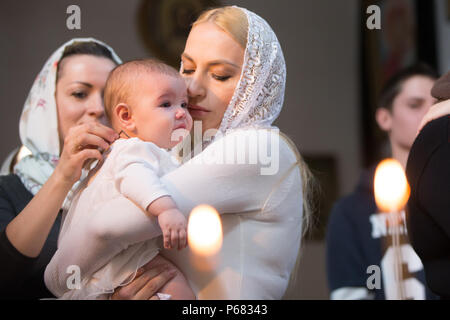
pixel 235 75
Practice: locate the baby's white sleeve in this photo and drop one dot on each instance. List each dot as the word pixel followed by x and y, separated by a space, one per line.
pixel 136 172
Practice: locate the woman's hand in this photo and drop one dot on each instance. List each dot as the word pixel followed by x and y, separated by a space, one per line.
pixel 148 281
pixel 438 110
pixel 83 142
pixel 28 231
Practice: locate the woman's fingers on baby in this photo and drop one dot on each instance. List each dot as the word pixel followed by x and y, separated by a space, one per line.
pixel 139 272
pixel 89 154
pixel 153 285
pixel 101 131
pixel 89 140
pixel 130 291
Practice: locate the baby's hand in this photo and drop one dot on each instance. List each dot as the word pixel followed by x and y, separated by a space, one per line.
pixel 173 225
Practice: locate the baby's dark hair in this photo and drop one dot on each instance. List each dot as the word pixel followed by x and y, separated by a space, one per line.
pixel 121 80
pixel 394 85
pixel 90 48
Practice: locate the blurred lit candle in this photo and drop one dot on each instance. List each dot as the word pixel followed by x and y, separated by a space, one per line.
pixel 391 187
pixel 391 194
pixel 204 236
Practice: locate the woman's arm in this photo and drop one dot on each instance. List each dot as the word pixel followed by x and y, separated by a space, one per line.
pixel 28 231
pixel 15 267
pixel 230 188
pixel 235 174
pixel 262 212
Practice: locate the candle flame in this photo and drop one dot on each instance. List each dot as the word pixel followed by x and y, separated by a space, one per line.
pixel 204 230
pixel 391 187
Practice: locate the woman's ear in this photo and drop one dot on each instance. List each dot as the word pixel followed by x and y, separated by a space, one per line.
pixel 123 115
pixel 383 117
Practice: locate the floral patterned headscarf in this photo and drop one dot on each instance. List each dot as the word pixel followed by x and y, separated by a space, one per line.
pixel 39 123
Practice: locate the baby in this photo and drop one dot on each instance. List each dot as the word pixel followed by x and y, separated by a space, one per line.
pixel 111 228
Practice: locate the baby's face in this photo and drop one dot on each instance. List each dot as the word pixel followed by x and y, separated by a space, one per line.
pixel 159 109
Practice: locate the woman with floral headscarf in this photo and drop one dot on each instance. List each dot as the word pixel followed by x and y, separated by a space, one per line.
pixel 61 127
pixel 247 170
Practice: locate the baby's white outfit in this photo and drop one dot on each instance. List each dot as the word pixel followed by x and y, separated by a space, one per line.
pixel 106 235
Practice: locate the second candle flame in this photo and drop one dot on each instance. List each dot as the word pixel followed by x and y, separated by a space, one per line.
pixel 204 230
pixel 391 187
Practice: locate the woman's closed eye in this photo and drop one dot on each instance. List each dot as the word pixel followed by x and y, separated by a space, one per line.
pixel 220 78
pixel 187 71
pixel 216 76
pixel 80 95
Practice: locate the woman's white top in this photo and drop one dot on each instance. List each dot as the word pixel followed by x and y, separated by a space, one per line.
pixel 250 176
pixel 261 205
pixel 106 235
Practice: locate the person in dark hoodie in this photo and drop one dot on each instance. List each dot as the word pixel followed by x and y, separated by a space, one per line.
pixel 428 208
pixel 360 257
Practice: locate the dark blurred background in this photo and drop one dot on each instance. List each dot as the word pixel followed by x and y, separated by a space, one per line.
pixel 335 64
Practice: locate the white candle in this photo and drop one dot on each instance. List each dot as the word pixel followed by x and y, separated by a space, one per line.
pixel 391 194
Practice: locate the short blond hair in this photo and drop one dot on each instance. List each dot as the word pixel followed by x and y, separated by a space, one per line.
pixel 231 19
pixel 121 80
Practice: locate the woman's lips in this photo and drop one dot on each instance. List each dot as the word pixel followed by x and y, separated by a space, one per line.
pixel 197 111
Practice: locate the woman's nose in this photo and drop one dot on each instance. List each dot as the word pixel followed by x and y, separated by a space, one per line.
pixel 196 88
pixel 96 108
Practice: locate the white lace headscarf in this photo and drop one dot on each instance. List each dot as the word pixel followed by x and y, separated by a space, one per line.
pixel 259 94
pixel 39 123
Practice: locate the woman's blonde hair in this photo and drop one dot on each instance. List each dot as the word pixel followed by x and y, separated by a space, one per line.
pixel 310 192
pixel 231 19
